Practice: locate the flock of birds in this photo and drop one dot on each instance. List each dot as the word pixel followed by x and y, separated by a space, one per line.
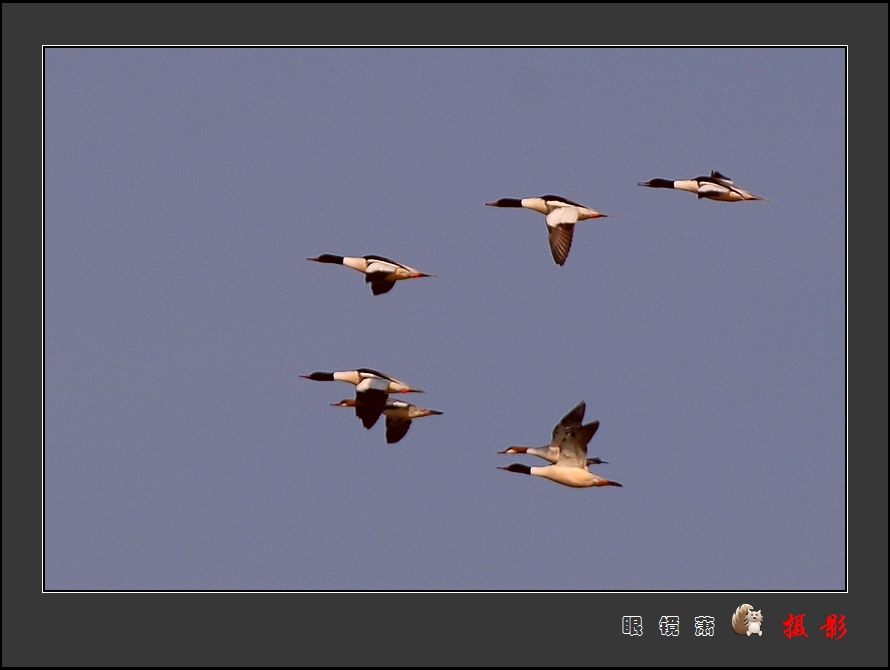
pixel 567 451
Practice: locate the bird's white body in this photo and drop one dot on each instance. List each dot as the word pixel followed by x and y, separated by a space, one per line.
pixel 576 477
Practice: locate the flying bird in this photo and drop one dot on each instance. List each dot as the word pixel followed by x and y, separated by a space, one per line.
pixel 550 452
pixel 371 390
pixel 570 468
pixel 562 215
pixel 399 415
pixel 381 273
pixel 715 187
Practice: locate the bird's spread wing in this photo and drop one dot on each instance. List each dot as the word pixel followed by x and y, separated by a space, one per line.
pixel 379 275
pixel 383 259
pixel 560 238
pixel 381 267
pixel 573 418
pixel 707 188
pixel 376 379
pixel 727 183
pixel 369 405
pixel 379 286
pixel 559 201
pixel 396 429
pixel 573 450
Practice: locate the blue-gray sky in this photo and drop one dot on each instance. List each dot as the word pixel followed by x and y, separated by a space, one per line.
pixel 185 189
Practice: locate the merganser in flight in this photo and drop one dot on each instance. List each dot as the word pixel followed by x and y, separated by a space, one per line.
pixel 381 273
pixel 371 390
pixel 570 468
pixel 550 452
pixel 399 415
pixel 562 215
pixel 715 187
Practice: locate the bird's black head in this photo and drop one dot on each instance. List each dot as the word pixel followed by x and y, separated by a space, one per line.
pixel 516 467
pixel 657 183
pixel 505 202
pixel 327 258
pixel 319 376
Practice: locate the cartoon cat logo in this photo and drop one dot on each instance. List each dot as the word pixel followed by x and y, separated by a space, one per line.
pixel 747 621
pixel 753 620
